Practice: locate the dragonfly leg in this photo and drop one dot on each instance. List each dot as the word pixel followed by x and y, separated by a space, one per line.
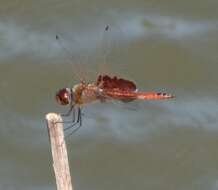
pixel 76 125
pixel 72 109
pixel 69 111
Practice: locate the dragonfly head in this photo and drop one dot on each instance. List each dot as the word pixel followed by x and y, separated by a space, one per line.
pixel 64 96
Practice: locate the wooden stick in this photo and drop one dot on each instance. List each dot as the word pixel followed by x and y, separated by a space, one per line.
pixel 59 152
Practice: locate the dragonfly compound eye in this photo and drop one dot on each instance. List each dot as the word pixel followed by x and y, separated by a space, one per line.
pixel 63 96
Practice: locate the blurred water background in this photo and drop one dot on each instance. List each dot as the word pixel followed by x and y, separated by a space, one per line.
pixel 161 45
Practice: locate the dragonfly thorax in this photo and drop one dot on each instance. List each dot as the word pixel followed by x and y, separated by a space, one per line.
pixel 64 96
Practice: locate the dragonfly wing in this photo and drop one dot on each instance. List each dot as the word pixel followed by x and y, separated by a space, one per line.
pixel 124 90
pixel 111 83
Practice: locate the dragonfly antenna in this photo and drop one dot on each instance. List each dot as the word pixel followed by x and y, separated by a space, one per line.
pixel 69 55
pixel 104 48
pixel 66 51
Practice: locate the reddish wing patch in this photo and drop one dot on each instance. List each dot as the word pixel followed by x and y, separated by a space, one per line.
pixel 107 83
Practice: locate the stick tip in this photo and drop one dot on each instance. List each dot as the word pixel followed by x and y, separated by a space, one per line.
pixel 53 117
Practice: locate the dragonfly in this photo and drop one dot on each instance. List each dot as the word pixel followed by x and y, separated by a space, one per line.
pixel 105 88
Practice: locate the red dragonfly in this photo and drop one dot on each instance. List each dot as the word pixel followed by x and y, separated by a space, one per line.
pixel 105 88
